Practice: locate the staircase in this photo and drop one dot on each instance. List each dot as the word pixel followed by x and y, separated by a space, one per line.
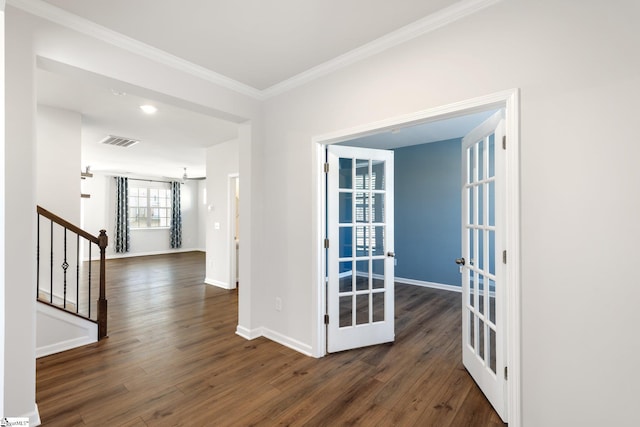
pixel 70 274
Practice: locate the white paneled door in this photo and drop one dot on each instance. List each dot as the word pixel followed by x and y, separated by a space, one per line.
pixel 482 261
pixel 360 260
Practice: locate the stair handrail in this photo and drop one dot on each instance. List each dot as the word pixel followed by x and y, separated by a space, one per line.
pixel 102 241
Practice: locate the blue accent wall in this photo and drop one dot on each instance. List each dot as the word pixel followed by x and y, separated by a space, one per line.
pixel 428 211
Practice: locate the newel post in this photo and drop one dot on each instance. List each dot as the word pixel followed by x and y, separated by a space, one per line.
pixel 103 241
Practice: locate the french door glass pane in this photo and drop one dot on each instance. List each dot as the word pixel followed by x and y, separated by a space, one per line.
pixel 492 249
pixel 492 201
pixel 472 247
pixel 480 348
pixel 362 174
pixel 362 275
pixel 362 248
pixel 377 207
pixel 480 160
pixel 346 242
pixel 492 350
pixel 481 295
pixel 470 164
pixel 345 208
pixel 378 306
pixel 480 209
pixel 346 311
pixel 346 276
pixel 378 274
pixel 377 241
pixel 362 207
pixel 470 198
pixel 471 288
pixel 377 175
pixel 492 302
pixel 345 174
pixel 472 330
pixel 362 309
pixel 492 151
pixel 479 262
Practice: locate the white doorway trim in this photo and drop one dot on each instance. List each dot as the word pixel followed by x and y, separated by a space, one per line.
pixel 510 101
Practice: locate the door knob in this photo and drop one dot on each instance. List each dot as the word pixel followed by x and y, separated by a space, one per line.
pixel 460 261
pixel 391 254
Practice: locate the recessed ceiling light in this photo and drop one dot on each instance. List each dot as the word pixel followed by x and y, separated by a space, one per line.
pixel 149 109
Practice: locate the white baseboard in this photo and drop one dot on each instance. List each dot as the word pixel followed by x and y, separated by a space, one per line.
pixel 284 340
pixel 163 252
pixel 113 255
pixel 248 334
pixel 452 288
pixel 34 416
pixel 63 346
pixel 218 283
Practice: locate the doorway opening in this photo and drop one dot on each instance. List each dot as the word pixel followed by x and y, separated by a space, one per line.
pixel 374 132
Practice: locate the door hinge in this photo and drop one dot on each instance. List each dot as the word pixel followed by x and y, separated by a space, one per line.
pixel 506 373
pixel 504 142
pixel 504 257
pixel 326 319
pixel 326 243
pixel 326 168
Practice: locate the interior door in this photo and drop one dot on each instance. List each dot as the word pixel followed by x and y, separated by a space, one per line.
pixel 483 329
pixel 360 263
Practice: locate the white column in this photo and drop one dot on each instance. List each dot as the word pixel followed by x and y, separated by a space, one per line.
pixel 2 312
pixel 19 217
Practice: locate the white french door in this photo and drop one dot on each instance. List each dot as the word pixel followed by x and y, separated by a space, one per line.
pixel 360 263
pixel 483 272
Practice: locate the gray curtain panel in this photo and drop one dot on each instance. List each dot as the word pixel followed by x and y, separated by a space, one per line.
pixel 122 239
pixel 176 216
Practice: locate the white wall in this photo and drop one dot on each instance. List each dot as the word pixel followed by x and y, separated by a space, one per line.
pixel 222 160
pixel 202 214
pixel 58 162
pixel 96 209
pixel 2 205
pixel 579 84
pixel 58 189
pixel 19 243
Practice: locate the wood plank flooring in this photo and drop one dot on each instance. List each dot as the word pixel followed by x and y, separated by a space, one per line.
pixel 172 358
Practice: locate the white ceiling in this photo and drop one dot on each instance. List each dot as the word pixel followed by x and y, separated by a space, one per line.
pixel 441 130
pixel 256 43
pixel 171 139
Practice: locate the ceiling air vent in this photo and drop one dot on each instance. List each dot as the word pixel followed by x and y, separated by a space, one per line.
pixel 119 141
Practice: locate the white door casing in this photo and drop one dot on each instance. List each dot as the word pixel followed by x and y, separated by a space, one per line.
pixel 482 267
pixel 360 266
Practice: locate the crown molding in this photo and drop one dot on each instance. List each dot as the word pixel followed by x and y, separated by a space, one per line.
pixel 61 17
pixel 423 26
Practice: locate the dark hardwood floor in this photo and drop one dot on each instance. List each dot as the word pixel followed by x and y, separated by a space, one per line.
pixel 172 358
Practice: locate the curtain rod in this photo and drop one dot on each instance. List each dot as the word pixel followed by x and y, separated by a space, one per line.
pixel 150 180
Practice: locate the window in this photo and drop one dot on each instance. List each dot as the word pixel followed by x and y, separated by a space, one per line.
pixel 149 205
